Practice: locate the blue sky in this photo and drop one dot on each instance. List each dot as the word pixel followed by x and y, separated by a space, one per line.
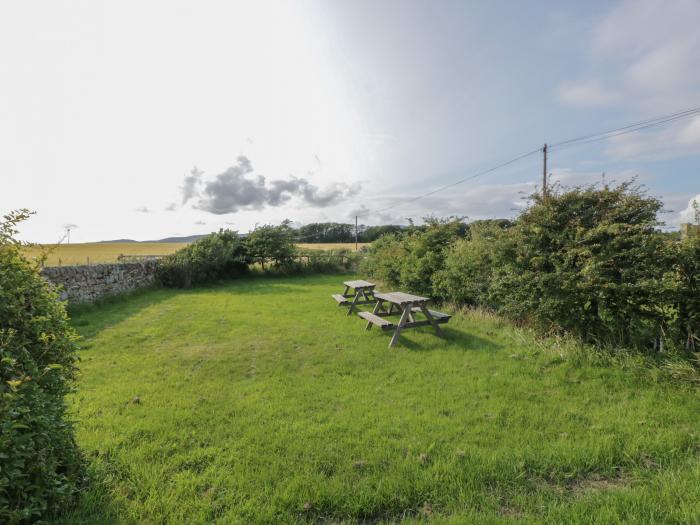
pixel 342 107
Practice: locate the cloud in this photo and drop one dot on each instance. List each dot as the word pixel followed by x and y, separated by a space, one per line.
pixel 586 93
pixel 190 184
pixel 200 223
pixel 368 216
pixel 663 143
pixel 644 54
pixel 238 188
pixel 688 214
pixel 171 207
pixel 143 209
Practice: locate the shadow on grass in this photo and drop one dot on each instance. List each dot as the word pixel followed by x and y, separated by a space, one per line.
pixel 94 504
pixel 115 309
pixel 452 339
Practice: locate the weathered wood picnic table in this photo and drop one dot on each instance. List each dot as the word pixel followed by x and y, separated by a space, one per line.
pixel 406 304
pixel 360 289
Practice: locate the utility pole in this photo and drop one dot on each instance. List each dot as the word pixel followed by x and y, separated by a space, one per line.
pixel 544 172
pixel 355 232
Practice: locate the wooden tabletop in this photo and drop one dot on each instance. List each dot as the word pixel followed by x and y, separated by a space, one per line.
pixel 401 298
pixel 359 284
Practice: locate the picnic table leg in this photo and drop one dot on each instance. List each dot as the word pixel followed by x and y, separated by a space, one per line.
pixel 402 321
pixel 347 289
pixel 377 308
pixel 426 313
pixel 354 301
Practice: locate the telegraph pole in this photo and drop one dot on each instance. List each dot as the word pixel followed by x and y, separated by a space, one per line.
pixel 544 172
pixel 355 232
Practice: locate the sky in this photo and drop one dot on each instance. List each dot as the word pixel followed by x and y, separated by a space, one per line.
pixel 145 120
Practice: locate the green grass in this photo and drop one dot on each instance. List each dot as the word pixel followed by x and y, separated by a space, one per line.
pixel 260 401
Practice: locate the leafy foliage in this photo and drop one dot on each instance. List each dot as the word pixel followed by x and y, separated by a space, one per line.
pixel 588 261
pixel 40 465
pixel 334 232
pixel 216 256
pixel 270 243
pixel 412 259
pixel 469 263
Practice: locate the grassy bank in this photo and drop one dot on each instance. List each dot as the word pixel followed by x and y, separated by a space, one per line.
pixel 260 401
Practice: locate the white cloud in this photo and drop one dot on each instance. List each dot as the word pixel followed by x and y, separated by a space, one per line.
pixel 688 214
pixel 647 53
pixel 586 93
pixel 644 57
pixel 663 143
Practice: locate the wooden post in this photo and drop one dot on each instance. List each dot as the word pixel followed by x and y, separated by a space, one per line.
pixel 355 232
pixel 544 172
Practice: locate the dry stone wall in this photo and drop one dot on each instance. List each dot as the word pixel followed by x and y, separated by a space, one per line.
pixel 86 284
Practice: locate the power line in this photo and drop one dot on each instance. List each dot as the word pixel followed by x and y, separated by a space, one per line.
pixel 584 139
pixel 479 174
pixel 632 130
pixel 652 121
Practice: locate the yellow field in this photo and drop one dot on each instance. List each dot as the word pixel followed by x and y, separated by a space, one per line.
pixel 92 252
pixel 69 254
pixel 332 245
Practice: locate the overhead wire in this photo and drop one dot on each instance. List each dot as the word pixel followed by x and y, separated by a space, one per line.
pixel 584 139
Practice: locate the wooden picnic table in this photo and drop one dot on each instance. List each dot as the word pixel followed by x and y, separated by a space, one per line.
pixel 406 304
pixel 360 289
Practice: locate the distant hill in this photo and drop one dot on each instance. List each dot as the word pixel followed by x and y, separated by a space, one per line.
pixel 188 238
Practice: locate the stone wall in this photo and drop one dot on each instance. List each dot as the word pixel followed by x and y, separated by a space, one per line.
pixel 86 284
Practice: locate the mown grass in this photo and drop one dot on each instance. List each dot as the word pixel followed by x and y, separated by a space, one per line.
pixel 260 401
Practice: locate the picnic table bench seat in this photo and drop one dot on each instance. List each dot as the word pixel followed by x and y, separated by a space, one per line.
pixel 439 317
pixel 363 293
pixel 376 320
pixel 341 299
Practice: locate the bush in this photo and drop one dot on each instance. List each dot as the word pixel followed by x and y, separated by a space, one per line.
pixel 410 260
pixel 469 263
pixel 588 261
pixel 40 465
pixel 686 296
pixel 217 256
pixel 271 244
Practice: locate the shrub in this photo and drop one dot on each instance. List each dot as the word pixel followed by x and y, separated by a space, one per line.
pixel 40 465
pixel 217 256
pixel 466 276
pixel 686 296
pixel 587 261
pixel 271 244
pixel 411 259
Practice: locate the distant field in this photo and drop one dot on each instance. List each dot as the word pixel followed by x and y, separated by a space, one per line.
pixel 69 254
pixel 331 245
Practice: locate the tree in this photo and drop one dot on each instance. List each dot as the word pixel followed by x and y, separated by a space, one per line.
pixel 271 243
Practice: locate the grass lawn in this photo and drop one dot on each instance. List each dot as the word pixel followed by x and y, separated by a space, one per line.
pixel 260 401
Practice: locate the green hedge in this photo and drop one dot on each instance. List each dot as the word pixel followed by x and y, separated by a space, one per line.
pixel 40 465
pixel 588 261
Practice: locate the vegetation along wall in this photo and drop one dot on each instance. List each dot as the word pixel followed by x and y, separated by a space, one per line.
pixel 86 284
